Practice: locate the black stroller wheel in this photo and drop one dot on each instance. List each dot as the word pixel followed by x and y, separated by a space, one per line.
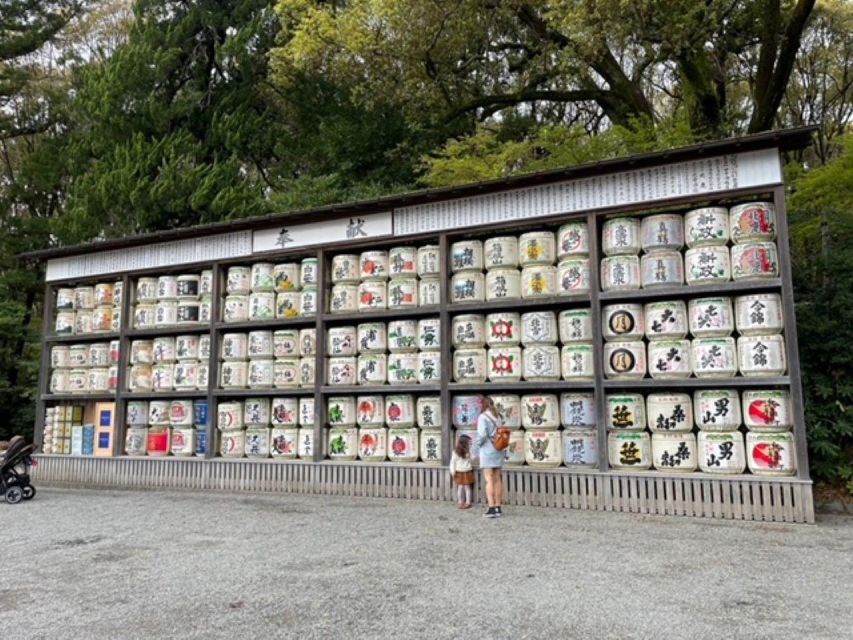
pixel 14 494
pixel 29 492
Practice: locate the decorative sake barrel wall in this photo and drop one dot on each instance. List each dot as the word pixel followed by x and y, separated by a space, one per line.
pixel 633 325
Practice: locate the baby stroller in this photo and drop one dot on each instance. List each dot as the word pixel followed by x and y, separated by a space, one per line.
pixel 14 471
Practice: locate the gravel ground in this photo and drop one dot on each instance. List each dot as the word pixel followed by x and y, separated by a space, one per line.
pixel 104 564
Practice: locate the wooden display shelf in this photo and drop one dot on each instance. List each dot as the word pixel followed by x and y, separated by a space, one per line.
pixel 274 323
pixel 530 387
pixel 79 397
pixel 264 393
pixel 518 303
pixel 157 332
pixel 81 338
pixel 383 314
pixel 162 395
pixel 692 291
pixel 331 390
pixel 698 383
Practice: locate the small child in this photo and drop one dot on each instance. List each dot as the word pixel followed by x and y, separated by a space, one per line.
pixel 461 471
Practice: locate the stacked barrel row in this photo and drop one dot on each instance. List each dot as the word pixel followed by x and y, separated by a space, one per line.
pixel 401 278
pixel 88 309
pixel 279 359
pixel 60 422
pixel 266 427
pixel 265 291
pixel 167 363
pixel 167 301
pixel 166 427
pixel 84 368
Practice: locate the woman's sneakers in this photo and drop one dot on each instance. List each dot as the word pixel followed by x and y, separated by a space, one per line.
pixel 498 512
pixel 493 512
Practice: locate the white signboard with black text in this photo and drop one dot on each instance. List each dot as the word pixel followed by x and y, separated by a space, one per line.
pixel 290 236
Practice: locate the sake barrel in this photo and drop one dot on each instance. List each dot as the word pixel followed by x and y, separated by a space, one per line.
pixel 372 337
pixel 466 410
pixel 501 253
pixel 669 412
pixel 306 412
pixel 284 412
pixel 707 225
pixel 102 319
pixel 307 372
pixel 468 331
pixel 623 322
pixel 205 309
pixel 537 248
pixel 661 269
pixel 662 232
pixel 468 286
pixel 159 412
pixel 572 240
pixel 759 314
pixel 65 299
pixel 573 277
pixel 372 444
pixel 286 373
pixel 714 357
pixel 84 298
pixel 503 284
pixel 234 375
pixel 260 344
pixel 674 452
pixel 503 364
pixel 343 298
pixel 343 444
pixel 372 368
pixel 430 446
pixel 767 410
pixel 538 281
pixel 429 367
pixel 669 359
pixel 163 377
pixel 238 280
pixel 308 302
pixel 186 375
pixel 540 363
pixel 341 371
pixel 403 445
pixel 771 454
pixel 288 304
pixel 761 356
pixel 466 255
pixel 620 273
pixel 721 453
pixel 752 221
pixel 711 317
pixel 146 290
pixel 626 411
pixel 187 347
pixel 257 443
pixel 629 450
pixel 539 328
pixel 374 265
pixel 707 265
pixel 164 349
pixel 136 413
pixel 340 411
pixel 140 378
pixel 99 380
pixel 508 407
pixel 236 308
pixel 159 441
pixel 755 261
pixel 403 368
pixel 115 327
pixel 469 365
pixel 429 334
pixel 200 413
pixel 229 415
pixel 580 448
pixel 65 323
pixel 305 444
pixel 60 357
pixel 78 355
pixel 206 283
pixel 514 452
pixel 501 329
pixel 256 412
pixel 370 411
pixel 621 236
pixel 285 343
pixel 262 305
pixel 341 341
pixel 402 261
pixel 182 443
pixel 542 448
pixel 716 409
pixel 136 441
pixel 577 410
pixel 429 292
pixel 345 269
pixel 429 260
pixel 428 413
pixel 188 286
pixel 400 411
pixel 372 295
pixel 283 442
pixel 235 346
pixel 167 288
pixel 402 336
pixel 59 381
pixel 308 273
pixel 286 277
pixel 667 319
pixel 202 445
pixel 181 413
pixel 577 362
pixel 540 411
pixel 626 360
pixel 403 292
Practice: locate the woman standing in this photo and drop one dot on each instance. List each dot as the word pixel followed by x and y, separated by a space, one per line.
pixel 491 460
